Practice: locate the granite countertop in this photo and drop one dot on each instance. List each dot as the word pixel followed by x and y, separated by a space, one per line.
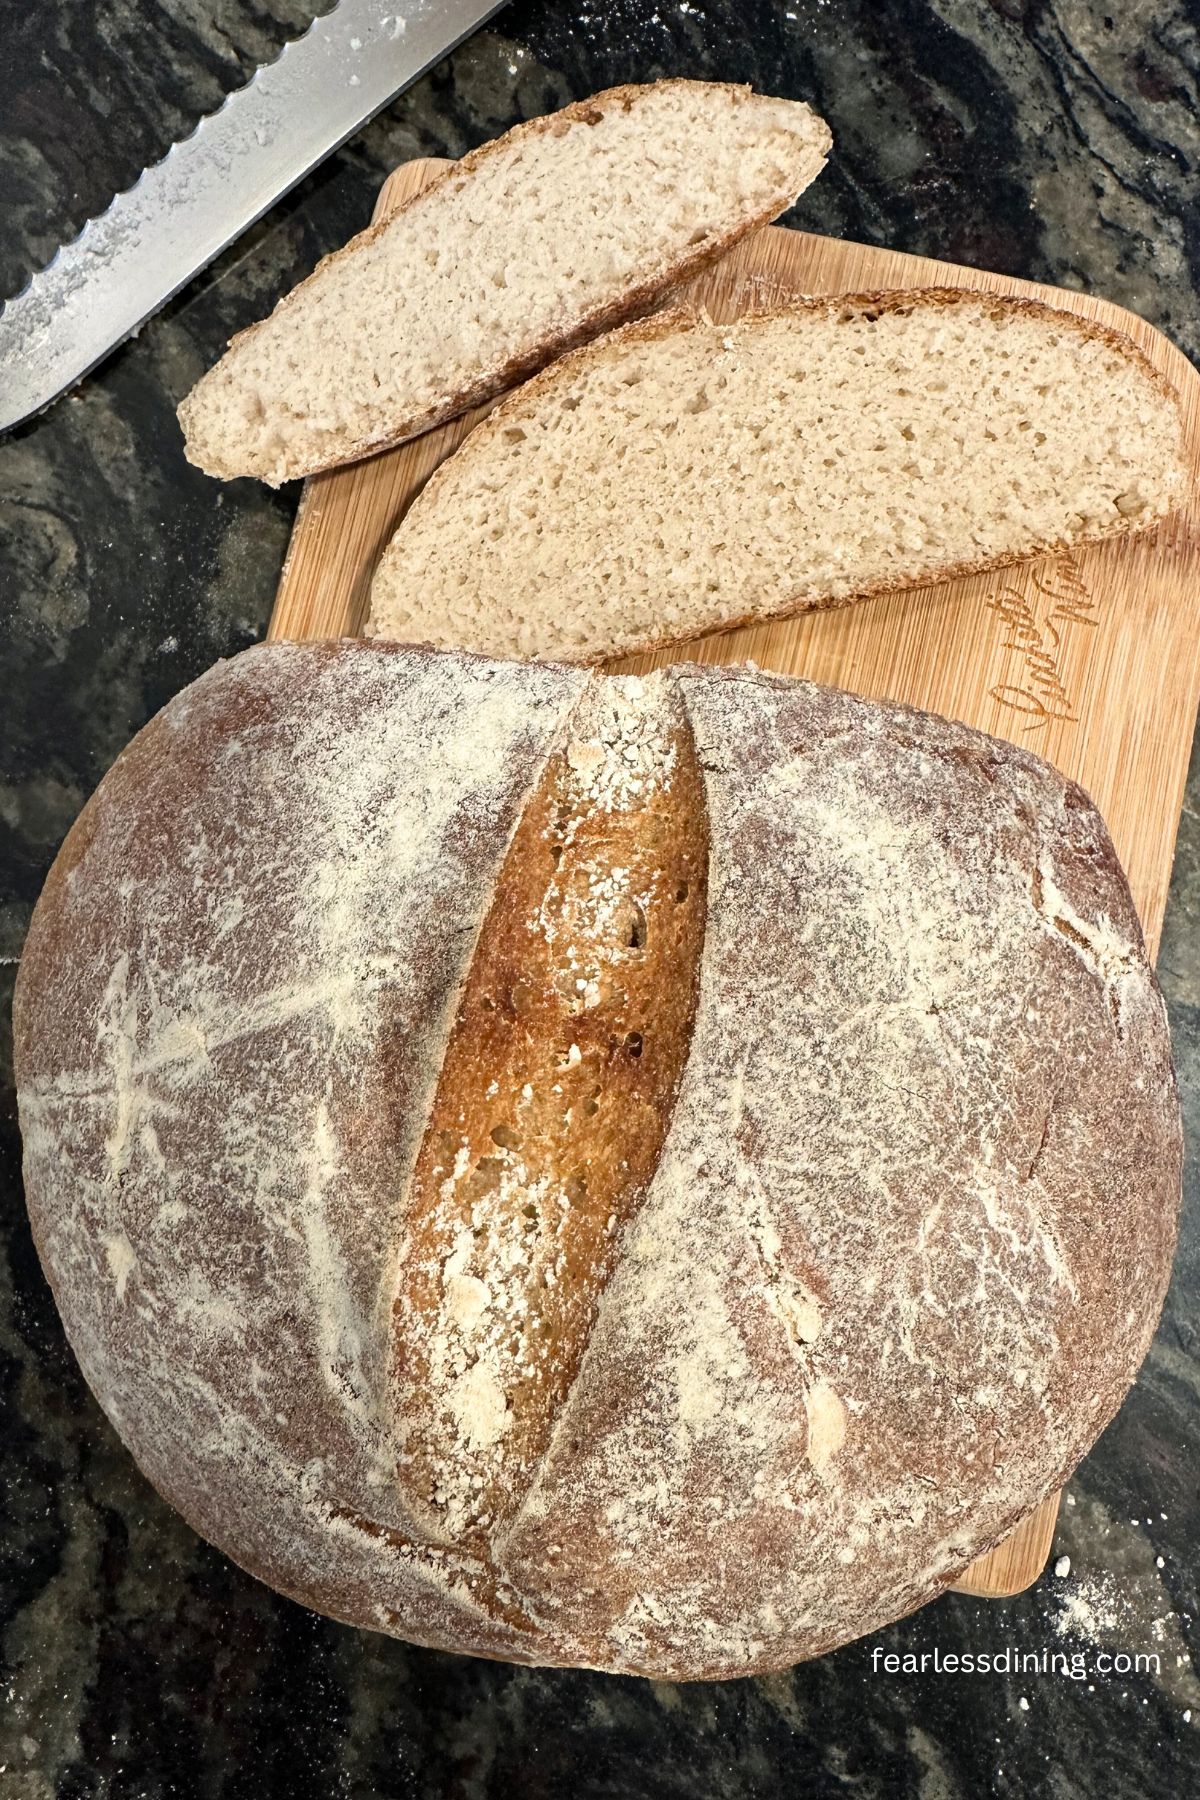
pixel 1046 138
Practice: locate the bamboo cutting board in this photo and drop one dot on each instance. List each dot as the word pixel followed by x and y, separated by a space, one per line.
pixel 1092 660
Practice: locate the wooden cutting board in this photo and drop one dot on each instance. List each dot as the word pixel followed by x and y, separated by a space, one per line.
pixel 1092 660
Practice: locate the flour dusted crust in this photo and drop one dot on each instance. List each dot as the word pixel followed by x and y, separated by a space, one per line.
pixel 914 1219
pixel 229 1028
pixel 902 1253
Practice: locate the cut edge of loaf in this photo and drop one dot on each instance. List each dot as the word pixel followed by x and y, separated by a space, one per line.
pixel 683 318
pixel 638 298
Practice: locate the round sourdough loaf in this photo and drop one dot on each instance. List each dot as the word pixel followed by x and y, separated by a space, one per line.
pixel 650 1174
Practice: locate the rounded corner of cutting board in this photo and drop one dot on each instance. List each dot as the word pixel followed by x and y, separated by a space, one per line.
pixel 906 647
pixel 408 180
pixel 1017 1561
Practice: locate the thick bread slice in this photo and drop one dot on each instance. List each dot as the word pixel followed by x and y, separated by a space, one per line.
pixel 678 477
pixel 533 243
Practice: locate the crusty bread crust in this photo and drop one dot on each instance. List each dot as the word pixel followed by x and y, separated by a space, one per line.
pixel 900 1258
pixel 553 1100
pixel 665 323
pixel 639 297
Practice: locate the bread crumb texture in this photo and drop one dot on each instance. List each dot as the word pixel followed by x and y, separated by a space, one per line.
pixel 678 477
pixel 856 1254
pixel 564 225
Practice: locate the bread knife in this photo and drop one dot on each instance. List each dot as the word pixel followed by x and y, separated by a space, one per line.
pixel 209 187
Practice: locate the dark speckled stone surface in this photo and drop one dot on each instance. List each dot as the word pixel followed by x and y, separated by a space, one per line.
pixel 1055 140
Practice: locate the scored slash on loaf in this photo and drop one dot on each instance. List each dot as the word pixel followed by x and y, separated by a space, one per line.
pixel 855 1033
pixel 531 244
pixel 678 477
pixel 552 1104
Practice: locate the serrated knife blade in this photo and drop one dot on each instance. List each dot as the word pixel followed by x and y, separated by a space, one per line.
pixel 211 186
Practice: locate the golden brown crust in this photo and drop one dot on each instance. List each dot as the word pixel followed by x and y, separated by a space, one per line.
pixel 639 297
pixel 553 1100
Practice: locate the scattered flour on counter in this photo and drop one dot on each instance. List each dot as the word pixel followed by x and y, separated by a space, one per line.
pixel 1092 1609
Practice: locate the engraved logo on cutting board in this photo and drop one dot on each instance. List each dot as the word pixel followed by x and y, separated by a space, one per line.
pixel 1039 625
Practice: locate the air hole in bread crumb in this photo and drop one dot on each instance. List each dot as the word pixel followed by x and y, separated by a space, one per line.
pixel 633 1042
pixel 637 929
pixel 505 1136
pixel 681 893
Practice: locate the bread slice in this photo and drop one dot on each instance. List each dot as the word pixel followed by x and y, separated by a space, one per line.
pixel 533 243
pixel 678 477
